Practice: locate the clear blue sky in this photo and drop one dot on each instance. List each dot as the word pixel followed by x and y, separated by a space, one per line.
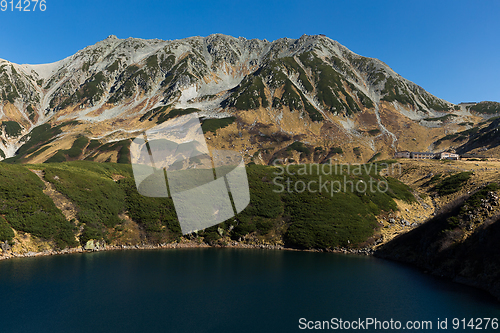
pixel 450 48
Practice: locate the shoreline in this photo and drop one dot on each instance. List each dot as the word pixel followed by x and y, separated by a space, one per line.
pixel 182 245
pixel 236 245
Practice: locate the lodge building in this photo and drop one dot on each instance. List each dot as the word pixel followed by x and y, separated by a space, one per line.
pixel 426 156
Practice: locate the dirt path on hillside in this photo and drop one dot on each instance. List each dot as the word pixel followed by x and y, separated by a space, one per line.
pixel 131 233
pixel 68 209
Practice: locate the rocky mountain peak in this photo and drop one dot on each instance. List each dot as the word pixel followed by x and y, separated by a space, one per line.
pixel 311 86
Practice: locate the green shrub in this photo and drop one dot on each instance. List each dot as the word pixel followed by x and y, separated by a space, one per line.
pixel 152 213
pixel 56 158
pixel 124 155
pixel 6 232
pixel 299 147
pixel 290 63
pixel 435 178
pixel 11 128
pixel 264 225
pixel 474 201
pixel 443 118
pixel 93 144
pixel 211 237
pixel 315 220
pixel 89 233
pixel 374 132
pixel 77 148
pixel 394 91
pixel 452 183
pixel 152 62
pixel 400 190
pixel 453 222
pixel 243 229
pixel 336 150
pixel 374 157
pixel 290 98
pixel 486 107
pixel 113 67
pixel 212 125
pixel 250 94
pixel 174 113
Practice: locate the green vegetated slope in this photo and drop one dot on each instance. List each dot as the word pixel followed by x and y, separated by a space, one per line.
pixel 451 184
pixel 11 128
pixel 90 186
pixel 102 192
pixel 24 207
pixel 42 137
pixel 460 243
pixel 486 107
pixel 327 84
pixel 39 138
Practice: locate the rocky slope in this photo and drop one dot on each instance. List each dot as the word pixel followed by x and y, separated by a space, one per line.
pixel 480 141
pixel 460 205
pixel 271 94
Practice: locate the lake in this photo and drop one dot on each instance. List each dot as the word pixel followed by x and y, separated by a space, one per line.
pixel 224 290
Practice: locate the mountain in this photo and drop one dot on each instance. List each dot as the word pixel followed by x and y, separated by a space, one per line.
pixel 306 99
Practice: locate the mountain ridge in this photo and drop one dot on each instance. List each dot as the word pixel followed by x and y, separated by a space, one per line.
pixel 310 88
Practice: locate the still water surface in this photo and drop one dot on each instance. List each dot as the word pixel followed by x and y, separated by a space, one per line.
pixel 222 290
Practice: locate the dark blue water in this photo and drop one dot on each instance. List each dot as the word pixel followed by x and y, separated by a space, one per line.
pixel 222 290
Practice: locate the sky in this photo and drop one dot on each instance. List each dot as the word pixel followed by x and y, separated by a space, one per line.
pixel 450 48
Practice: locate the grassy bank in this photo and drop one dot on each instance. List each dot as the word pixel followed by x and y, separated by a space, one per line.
pixel 108 207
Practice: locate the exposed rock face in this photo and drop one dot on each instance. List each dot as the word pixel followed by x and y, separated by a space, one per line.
pixel 94 245
pixel 312 89
pixel 5 246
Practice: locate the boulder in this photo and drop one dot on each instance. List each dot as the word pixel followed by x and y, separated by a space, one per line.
pixel 89 246
pixel 5 246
